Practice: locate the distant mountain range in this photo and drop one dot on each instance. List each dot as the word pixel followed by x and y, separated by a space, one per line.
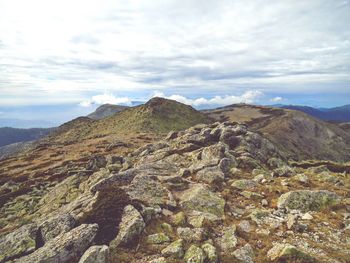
pixel 338 114
pixel 15 135
pixel 25 124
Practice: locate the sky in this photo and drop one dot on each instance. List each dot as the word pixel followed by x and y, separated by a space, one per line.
pixel 204 53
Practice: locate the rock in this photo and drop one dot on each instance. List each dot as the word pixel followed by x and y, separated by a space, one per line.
pixel 166 227
pixel 244 226
pixel 194 255
pixel 150 212
pixel 307 200
pixel 264 202
pixel 178 219
pixel 96 162
pixel 171 135
pixel 251 195
pixel 191 235
pixel 18 243
pixel 157 238
pixel 210 175
pixel 244 184
pixel 156 194
pixel 200 219
pixel 158 260
pixel 199 198
pixel 245 254
pixel 283 171
pixel 211 155
pixel 226 164
pixel 291 220
pixel 228 240
pixel 95 254
pixel 130 227
pixel 174 250
pixel 210 253
pixel 302 178
pixel 307 216
pixel 55 226
pixel 282 252
pixel 67 247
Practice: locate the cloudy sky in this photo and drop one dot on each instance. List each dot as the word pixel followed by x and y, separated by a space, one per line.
pixel 210 52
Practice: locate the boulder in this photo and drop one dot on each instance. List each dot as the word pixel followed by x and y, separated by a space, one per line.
pixel 307 200
pixel 174 250
pixel 18 243
pixel 244 184
pixel 210 253
pixel 95 254
pixel 130 227
pixel 158 238
pixel 194 255
pixel 199 198
pixel 228 240
pixel 284 252
pixel 191 235
pixel 178 219
pixel 244 254
pixel 66 247
pixel 155 194
pixel 55 226
pixel 210 175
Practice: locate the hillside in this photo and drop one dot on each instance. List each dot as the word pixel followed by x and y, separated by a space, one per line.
pixel 339 114
pixel 156 116
pixel 14 135
pixel 298 135
pixel 105 110
pixel 212 193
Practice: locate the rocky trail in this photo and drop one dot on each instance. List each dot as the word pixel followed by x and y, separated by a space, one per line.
pixel 212 193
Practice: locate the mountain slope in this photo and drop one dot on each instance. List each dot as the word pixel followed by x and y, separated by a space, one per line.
pixel 297 134
pixel 156 116
pixel 341 114
pixel 106 110
pixel 14 135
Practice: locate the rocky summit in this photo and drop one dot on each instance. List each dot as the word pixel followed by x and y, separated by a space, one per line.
pixel 212 193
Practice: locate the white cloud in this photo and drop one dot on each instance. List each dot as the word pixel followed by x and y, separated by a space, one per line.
pixel 76 47
pixel 106 98
pixel 251 96
pixel 276 99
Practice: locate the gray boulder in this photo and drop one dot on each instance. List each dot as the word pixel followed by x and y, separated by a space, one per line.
pixel 95 254
pixel 66 247
pixel 130 227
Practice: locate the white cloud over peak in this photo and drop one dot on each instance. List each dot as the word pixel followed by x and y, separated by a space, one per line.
pixel 276 99
pixel 106 98
pixel 251 96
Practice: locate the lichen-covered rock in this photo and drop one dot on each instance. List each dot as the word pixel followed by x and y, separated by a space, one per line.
pixel 157 238
pixel 199 198
pixel 307 200
pixel 130 227
pixel 210 175
pixel 95 254
pixel 18 243
pixel 174 250
pixel 158 260
pixel 149 191
pixel 228 240
pixel 244 184
pixel 55 226
pixel 67 247
pixel 244 254
pixel 194 255
pixel 201 219
pixel 210 252
pixel 282 252
pixel 191 235
pixel 178 219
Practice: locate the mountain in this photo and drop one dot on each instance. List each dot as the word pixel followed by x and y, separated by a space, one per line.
pixel 297 134
pixel 25 124
pixel 106 110
pixel 340 114
pixel 156 116
pixel 212 193
pixel 14 135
